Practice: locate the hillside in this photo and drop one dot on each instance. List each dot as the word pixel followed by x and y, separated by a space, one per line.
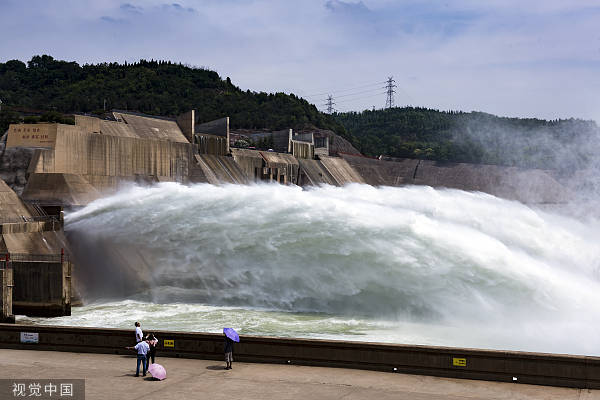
pixel 475 137
pixel 152 87
pixel 168 89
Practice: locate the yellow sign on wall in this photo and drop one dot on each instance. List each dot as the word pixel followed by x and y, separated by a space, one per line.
pixel 169 343
pixel 459 362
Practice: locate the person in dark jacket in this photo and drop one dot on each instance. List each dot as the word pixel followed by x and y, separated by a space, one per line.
pixel 152 342
pixel 228 349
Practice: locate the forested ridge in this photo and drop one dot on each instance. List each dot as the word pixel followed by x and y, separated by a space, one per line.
pixel 168 89
pixel 152 87
pixel 473 137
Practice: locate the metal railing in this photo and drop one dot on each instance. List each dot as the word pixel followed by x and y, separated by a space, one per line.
pixel 6 259
pixel 23 218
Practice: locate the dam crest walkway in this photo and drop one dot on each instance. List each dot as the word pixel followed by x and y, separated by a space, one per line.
pixel 112 377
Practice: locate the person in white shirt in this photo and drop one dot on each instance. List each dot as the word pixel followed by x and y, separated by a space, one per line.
pixel 142 350
pixel 139 335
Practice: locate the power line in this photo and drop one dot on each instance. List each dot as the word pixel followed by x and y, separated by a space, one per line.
pixel 389 102
pixel 352 95
pixel 351 100
pixel 388 89
pixel 348 102
pixel 408 96
pixel 361 97
pixel 344 90
pixel 364 91
pixel 356 98
pixel 354 101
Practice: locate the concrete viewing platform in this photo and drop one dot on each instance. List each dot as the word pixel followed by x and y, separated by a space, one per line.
pixel 112 377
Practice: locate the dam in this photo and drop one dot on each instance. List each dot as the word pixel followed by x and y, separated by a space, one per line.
pixel 165 220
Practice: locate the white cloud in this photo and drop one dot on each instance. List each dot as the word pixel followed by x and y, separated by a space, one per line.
pixel 535 58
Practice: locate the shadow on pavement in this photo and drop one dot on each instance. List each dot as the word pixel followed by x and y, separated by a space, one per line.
pixel 216 367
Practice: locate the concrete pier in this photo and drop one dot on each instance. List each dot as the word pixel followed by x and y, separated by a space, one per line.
pixel 43 287
pixel 32 246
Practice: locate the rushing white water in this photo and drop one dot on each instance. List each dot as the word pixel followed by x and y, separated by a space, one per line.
pixel 405 265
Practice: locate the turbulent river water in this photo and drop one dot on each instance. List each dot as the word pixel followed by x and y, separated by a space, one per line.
pixel 404 265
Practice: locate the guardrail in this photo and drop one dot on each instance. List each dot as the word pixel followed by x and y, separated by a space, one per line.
pixel 506 366
pixel 23 218
pixel 26 257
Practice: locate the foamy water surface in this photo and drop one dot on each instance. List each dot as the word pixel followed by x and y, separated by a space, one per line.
pixel 403 265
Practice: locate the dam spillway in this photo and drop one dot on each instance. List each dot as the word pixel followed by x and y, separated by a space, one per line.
pixel 389 262
pixel 404 265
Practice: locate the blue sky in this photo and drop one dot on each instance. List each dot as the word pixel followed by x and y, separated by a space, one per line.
pixel 526 58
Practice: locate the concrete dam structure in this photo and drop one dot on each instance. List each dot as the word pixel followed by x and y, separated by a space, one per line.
pixel 57 165
pixel 54 167
pixel 36 274
pixel 214 243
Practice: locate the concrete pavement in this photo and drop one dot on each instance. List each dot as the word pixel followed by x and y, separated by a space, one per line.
pixel 112 377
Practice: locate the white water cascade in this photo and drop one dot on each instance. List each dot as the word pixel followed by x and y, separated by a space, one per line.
pixel 405 265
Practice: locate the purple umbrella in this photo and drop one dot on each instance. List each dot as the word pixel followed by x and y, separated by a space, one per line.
pixel 231 334
pixel 157 371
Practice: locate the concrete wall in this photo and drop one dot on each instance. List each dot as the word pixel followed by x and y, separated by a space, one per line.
pixel 99 158
pixel 186 123
pixel 219 169
pixel 301 149
pixel 88 124
pixel 525 185
pixel 218 127
pixel 146 127
pixel 280 167
pixel 32 135
pixel 281 140
pixel 42 243
pixel 341 171
pixel 528 368
pixel 212 144
pixel 528 186
pixel 42 284
pixel 42 288
pixel 304 137
pixel 250 161
pixel 312 172
pixel 6 297
pixel 383 173
pixel 59 189
pixel 34 243
pixel 105 154
pixel 11 206
pixel 267 165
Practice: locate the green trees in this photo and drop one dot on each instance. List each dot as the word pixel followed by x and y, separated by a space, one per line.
pixel 152 87
pixel 168 89
pixel 474 137
pixel 265 143
pixel 49 116
pixel 8 117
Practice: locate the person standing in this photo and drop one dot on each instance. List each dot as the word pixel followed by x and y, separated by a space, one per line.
pixel 152 342
pixel 139 335
pixel 228 349
pixel 142 350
